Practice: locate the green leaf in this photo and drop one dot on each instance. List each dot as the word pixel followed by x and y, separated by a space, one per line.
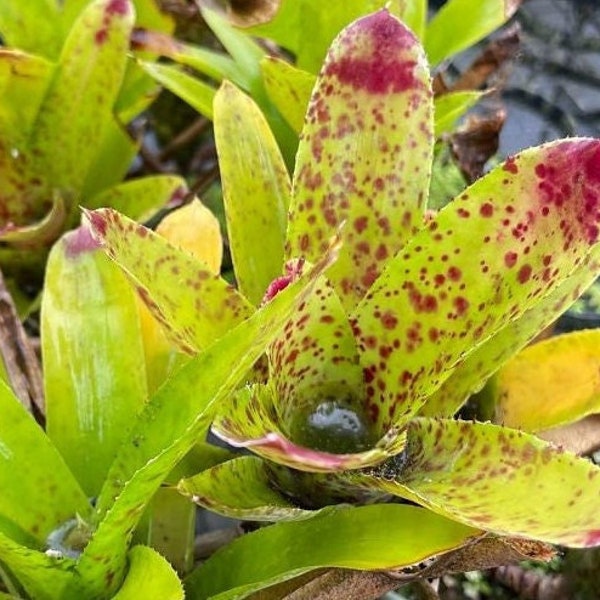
pixel 196 93
pixel 24 79
pixel 288 88
pixel 80 98
pixel 215 65
pixel 288 27
pixel 256 190
pixel 241 489
pixel 550 383
pixel 413 13
pixel 450 107
pixel 141 198
pixel 115 154
pixel 149 576
pixel 32 27
pixel 499 479
pixel 172 528
pixel 246 53
pixel 196 306
pixel 365 152
pixel 44 577
pixel 175 417
pixel 530 223
pixel 460 24
pixel 365 538
pixel 471 374
pixel 39 492
pixel 91 398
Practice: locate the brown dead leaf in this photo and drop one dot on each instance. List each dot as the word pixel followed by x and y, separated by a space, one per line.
pixel 492 59
pixel 476 142
pixel 246 13
pixel 581 437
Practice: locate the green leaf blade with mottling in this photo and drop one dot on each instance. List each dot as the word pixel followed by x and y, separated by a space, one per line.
pixel 196 306
pixel 433 306
pixel 499 479
pixel 365 152
pixel 256 190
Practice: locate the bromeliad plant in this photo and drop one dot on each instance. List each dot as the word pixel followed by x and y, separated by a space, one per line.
pixel 418 311
pixel 68 91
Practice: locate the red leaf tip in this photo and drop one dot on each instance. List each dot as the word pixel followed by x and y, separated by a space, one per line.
pixel 371 54
pixel 80 241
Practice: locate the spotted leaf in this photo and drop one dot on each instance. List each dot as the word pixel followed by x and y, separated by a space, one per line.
pixel 241 489
pixel 195 305
pixel 250 421
pixel 367 538
pixel 551 383
pixel 365 152
pixel 482 262
pixel 471 375
pixel 80 98
pixel 288 88
pixel 169 426
pixel 256 190
pixel 499 479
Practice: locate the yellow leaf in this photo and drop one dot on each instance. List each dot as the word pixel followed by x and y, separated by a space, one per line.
pixel 551 383
pixel 195 229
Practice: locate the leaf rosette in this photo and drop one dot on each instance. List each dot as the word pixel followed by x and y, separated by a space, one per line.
pixel 416 314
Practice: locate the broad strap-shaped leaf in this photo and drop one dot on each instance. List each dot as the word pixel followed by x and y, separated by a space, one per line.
pixel 288 26
pixel 366 538
pixel 365 152
pixel 498 479
pixel 95 379
pixel 24 79
pixel 256 190
pixel 195 305
pixel 250 420
pixel 33 27
pixel 289 89
pixel 149 576
pixel 436 303
pixel 39 493
pixel 141 198
pixel 461 23
pixel 241 489
pixel 315 357
pixel 173 420
pixel 196 93
pixel 43 576
pixel 216 65
pixel 550 383
pixel 80 98
pixel 449 107
pixel 413 13
pixel 471 375
pixel 195 229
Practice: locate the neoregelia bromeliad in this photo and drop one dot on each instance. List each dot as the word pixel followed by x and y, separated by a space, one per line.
pixel 416 314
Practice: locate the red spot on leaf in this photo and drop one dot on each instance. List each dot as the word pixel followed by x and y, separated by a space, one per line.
pixel 461 305
pixel 524 274
pixel 360 224
pixel 510 259
pixel 118 7
pixel 454 274
pixel 593 538
pixel 389 320
pixel 486 210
